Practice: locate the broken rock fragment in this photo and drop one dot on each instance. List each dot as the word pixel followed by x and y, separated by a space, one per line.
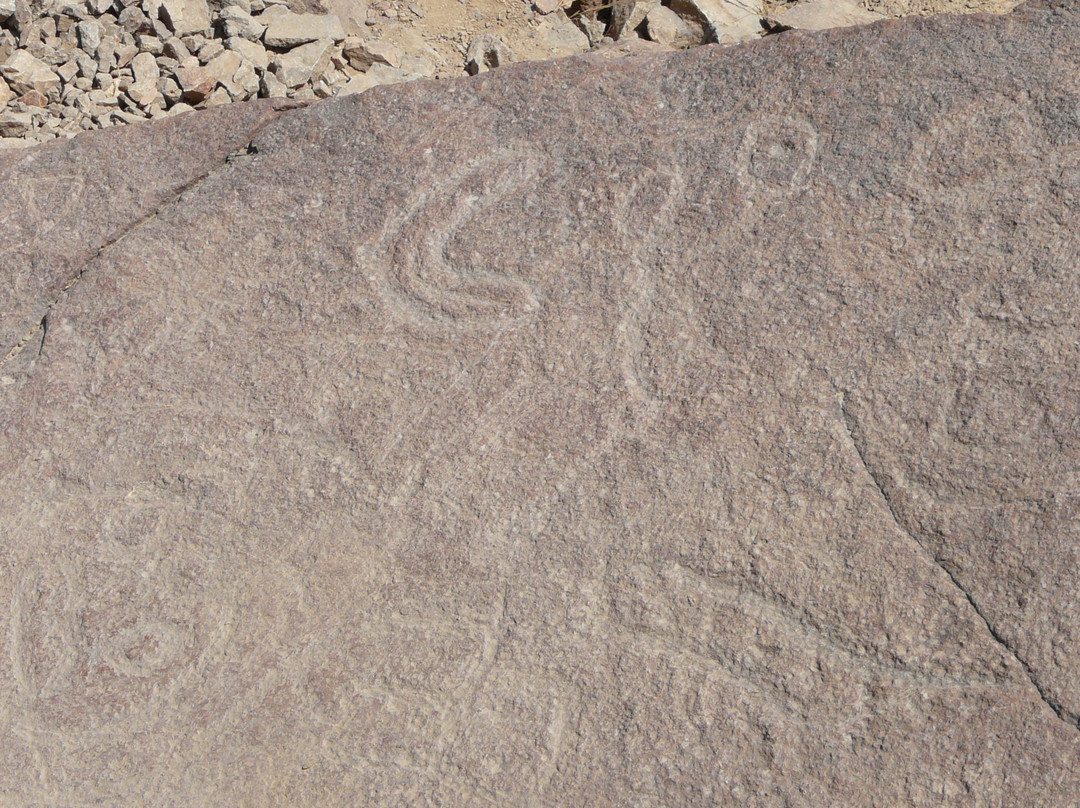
pixel 724 21
pixel 485 53
pixel 376 76
pixel 284 29
pixel 363 53
pixel 195 82
pixel 185 16
pixel 302 64
pixel 24 73
pixel 235 22
pixel 815 15
pixel 671 30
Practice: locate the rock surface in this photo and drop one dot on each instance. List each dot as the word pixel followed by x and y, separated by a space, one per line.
pixel 587 433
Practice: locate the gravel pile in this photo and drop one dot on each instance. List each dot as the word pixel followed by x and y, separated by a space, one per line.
pixel 68 66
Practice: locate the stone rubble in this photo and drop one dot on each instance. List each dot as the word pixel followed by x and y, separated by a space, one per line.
pixel 71 65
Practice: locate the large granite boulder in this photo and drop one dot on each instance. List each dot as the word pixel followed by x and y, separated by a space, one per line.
pixel 699 429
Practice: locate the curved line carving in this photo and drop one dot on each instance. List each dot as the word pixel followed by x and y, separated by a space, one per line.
pixel 422 278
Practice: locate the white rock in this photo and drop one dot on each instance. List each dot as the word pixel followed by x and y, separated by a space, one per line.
pixel 67 72
pixel 7 9
pixel 237 22
pixel 185 16
pixel 487 52
pixel 252 51
pixel 628 15
pixel 670 30
pixel 145 68
pixel 731 20
pixel 223 67
pixel 90 32
pixel 16 124
pixel 218 97
pixel 561 37
pixel 211 49
pixel 363 53
pixel 419 65
pixel 815 15
pixel 271 87
pixel 303 64
pixel 245 80
pixel 5 94
pixel 376 76
pixel 286 30
pixel 195 82
pixel 24 73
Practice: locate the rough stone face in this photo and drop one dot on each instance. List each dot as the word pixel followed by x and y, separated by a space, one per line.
pixel 729 20
pixel 185 16
pixel 24 73
pixel 816 15
pixel 302 64
pixel 586 433
pixel 286 30
pixel 362 54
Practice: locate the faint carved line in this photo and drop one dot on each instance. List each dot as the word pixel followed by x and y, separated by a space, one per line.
pixel 764 140
pixel 637 236
pixel 421 280
pixel 37 684
pixel 855 434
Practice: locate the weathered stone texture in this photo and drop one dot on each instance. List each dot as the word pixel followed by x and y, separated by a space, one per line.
pixel 699 429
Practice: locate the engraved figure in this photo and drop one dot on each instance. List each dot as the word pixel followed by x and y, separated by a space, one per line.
pixel 424 279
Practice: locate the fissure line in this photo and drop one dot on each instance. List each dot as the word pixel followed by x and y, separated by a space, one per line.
pixel 853 430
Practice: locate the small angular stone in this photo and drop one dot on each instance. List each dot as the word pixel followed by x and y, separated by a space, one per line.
pixel 245 82
pixel 669 29
pixel 16 124
pixel 24 73
pixel 363 53
pixel 487 52
pixel 211 49
pixel 302 64
pixel 150 44
pixel 252 51
pixel 145 68
pixel 224 66
pixel 33 98
pixel 271 87
pixel 90 33
pixel 816 15
pixel 185 16
pixel 285 29
pixel 67 71
pixel 195 83
pixel 235 22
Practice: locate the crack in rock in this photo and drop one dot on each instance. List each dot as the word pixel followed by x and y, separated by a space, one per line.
pixel 854 430
pixel 280 105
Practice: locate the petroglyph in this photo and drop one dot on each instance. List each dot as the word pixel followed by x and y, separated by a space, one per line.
pixel 108 662
pixel 415 247
pixel 776 157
